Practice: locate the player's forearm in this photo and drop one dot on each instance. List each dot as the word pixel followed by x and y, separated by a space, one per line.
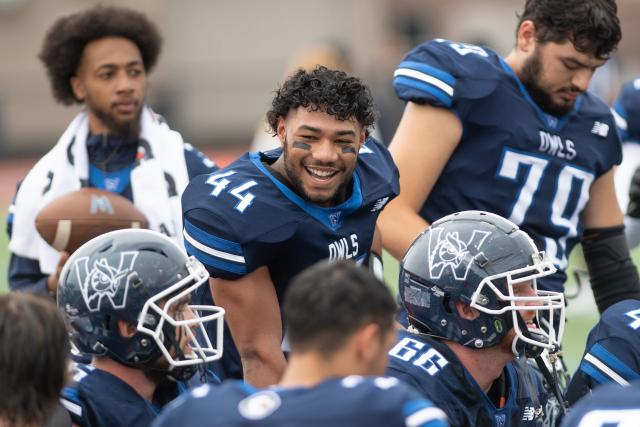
pixel 399 227
pixel 262 368
pixel 25 276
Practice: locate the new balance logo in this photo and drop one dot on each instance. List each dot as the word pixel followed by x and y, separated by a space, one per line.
pixel 529 413
pixel 379 204
pixel 600 129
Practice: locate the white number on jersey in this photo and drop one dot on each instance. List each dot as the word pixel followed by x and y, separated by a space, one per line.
pixel 410 350
pixel 220 182
pixel 570 177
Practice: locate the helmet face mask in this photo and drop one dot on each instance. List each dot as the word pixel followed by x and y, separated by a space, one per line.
pixel 144 279
pixel 547 306
pixel 167 308
pixel 487 262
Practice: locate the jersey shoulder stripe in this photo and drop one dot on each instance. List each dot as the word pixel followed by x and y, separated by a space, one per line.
pixel 213 250
pixel 604 367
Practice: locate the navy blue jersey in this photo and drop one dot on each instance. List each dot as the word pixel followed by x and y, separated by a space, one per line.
pixel 97 398
pixel 610 406
pixel 626 110
pixel 242 218
pixel 434 370
pixel 612 353
pixel 349 402
pixel 513 159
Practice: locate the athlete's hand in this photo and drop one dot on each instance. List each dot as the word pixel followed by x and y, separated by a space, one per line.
pixel 52 281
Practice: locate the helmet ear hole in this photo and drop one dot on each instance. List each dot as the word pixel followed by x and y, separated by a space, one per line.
pixel 105 248
pixel 155 250
pixel 447 304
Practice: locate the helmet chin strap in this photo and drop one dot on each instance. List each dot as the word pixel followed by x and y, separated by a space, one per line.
pixel 525 350
pixel 179 373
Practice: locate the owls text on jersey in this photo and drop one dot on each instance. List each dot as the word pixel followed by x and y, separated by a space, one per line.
pixel 612 353
pixel 611 405
pixel 433 369
pixel 350 401
pixel 513 159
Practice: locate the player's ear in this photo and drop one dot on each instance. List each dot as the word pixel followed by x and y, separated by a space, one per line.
pixel 281 130
pixel 526 36
pixel 465 311
pixel 367 340
pixel 78 88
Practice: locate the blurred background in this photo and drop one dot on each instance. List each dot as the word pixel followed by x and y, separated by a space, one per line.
pixel 222 60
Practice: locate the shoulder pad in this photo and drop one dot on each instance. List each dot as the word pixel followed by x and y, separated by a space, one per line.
pixel 441 72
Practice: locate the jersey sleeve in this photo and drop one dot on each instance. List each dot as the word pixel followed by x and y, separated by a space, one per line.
pixel 73 404
pixel 443 73
pixel 197 162
pixel 610 360
pixel 626 111
pixel 418 411
pixel 217 245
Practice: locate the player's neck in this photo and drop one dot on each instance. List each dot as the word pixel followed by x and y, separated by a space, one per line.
pixel 135 378
pixel 484 365
pixel 310 369
pixel 515 62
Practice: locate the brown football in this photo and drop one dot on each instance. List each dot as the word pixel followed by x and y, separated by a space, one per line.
pixel 77 217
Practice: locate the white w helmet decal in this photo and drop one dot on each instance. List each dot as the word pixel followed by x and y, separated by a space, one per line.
pixel 103 281
pixel 450 251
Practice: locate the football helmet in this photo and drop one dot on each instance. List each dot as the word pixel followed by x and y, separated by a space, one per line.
pixel 480 258
pixel 143 278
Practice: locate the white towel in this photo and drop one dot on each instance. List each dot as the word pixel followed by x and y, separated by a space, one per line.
pixel 157 182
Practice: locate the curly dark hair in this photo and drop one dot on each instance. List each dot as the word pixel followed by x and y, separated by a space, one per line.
pixel 591 25
pixel 65 41
pixel 330 91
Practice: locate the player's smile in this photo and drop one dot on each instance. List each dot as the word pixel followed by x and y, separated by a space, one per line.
pixel 322 176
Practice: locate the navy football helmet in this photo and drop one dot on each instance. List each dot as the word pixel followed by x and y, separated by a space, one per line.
pixel 478 258
pixel 145 279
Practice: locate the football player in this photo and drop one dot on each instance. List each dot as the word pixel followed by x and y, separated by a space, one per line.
pixel 468 283
pixel 126 298
pixel 100 58
pixel 340 324
pixel 609 406
pixel 518 136
pixel 267 216
pixel 612 353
